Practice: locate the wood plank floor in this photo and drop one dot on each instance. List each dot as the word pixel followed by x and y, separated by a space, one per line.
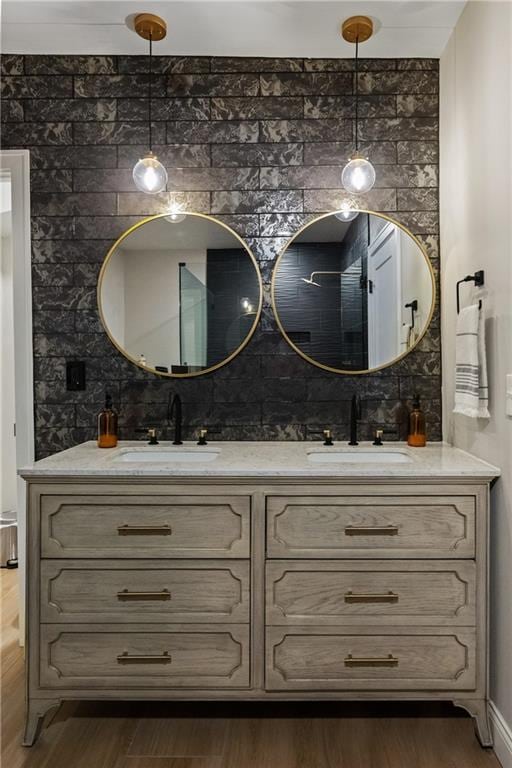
pixel 284 735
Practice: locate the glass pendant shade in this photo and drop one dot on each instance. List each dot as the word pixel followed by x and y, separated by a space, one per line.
pixel 358 176
pixel 150 175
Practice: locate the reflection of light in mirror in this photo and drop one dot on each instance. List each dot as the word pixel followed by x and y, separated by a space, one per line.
pixel 346 213
pixel 358 176
pixel 247 306
pixel 175 217
pixel 150 175
pixel 174 213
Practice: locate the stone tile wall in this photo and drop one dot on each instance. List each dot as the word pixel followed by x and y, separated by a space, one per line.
pixel 259 143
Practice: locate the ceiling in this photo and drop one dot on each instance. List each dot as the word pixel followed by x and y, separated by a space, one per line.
pixel 301 28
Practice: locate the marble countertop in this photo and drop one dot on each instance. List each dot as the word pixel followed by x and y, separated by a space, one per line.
pixel 263 459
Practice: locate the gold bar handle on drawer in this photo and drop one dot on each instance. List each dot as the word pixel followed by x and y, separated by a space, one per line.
pixel 371 530
pixel 371 597
pixel 125 595
pixel 126 658
pixel 371 661
pixel 144 530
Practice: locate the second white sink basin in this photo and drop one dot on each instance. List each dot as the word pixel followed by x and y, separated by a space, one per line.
pixel 358 457
pixel 168 456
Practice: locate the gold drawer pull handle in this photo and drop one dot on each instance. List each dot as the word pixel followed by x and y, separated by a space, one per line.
pixel 126 596
pixel 371 597
pixel 371 661
pixel 144 530
pixel 125 658
pixel 370 530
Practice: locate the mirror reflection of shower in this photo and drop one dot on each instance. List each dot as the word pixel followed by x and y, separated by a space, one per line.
pixel 353 291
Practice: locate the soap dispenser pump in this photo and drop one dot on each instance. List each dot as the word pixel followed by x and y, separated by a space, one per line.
pixel 417 432
pixel 107 425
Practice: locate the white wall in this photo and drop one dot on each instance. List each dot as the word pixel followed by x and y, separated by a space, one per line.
pixel 152 296
pixel 113 296
pixel 476 233
pixel 416 282
pixel 8 483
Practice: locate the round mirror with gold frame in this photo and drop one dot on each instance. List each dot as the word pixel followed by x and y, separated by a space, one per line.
pixel 180 294
pixel 353 291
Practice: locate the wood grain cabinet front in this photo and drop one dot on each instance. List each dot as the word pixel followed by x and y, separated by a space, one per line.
pixel 144 656
pixel 393 592
pixel 257 588
pixel 144 526
pixel 187 591
pixel 370 659
pixel 371 526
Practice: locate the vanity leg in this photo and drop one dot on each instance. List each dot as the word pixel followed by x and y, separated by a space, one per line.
pixel 478 710
pixel 37 709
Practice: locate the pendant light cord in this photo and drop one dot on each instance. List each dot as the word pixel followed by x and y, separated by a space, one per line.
pixel 150 89
pixel 357 91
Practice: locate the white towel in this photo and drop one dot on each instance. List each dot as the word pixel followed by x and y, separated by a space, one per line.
pixel 471 393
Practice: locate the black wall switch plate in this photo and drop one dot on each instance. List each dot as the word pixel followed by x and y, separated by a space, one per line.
pixel 75 375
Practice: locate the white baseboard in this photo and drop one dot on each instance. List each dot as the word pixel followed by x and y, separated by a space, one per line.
pixel 502 733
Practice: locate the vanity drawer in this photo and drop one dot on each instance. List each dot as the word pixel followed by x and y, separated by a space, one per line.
pixel 144 656
pixel 136 590
pixel 369 526
pixel 396 592
pixel 145 526
pixel 370 659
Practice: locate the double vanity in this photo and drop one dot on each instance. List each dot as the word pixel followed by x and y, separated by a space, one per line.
pixel 269 571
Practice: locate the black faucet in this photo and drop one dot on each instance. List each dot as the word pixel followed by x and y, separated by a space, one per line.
pixel 355 415
pixel 174 410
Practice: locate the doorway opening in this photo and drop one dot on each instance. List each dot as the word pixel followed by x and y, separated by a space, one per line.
pixel 16 367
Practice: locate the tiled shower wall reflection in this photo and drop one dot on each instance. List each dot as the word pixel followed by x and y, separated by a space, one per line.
pixel 258 143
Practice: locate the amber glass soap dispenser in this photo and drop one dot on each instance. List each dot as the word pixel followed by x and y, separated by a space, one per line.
pixel 107 425
pixel 417 433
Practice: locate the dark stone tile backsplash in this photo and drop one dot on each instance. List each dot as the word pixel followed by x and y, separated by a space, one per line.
pixel 260 143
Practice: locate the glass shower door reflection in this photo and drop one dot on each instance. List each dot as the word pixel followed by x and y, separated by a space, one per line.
pixel 193 316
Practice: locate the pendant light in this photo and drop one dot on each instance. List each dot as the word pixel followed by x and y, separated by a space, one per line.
pixel 149 174
pixel 358 175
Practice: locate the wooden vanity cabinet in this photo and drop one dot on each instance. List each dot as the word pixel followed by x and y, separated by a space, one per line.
pixel 144 588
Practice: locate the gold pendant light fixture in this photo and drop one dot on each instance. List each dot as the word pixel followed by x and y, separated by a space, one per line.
pixel 149 175
pixel 358 175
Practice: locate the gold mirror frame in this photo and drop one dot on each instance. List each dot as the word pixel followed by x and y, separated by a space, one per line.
pixel 342 371
pixel 193 373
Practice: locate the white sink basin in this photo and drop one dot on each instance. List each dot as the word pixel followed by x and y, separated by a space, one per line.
pixel 167 456
pixel 358 457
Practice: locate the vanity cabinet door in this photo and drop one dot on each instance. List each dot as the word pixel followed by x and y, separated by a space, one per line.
pixel 370 659
pixel 365 592
pixel 371 526
pixel 142 656
pixel 155 590
pixel 145 526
